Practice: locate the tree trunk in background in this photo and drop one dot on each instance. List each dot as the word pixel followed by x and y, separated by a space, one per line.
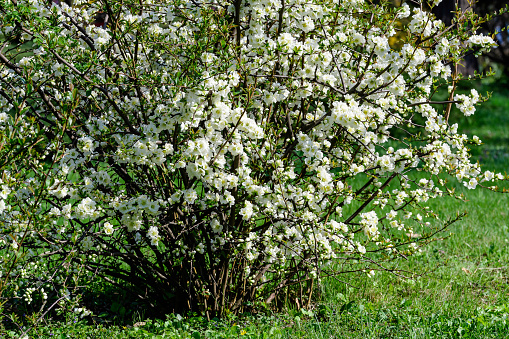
pixel 444 11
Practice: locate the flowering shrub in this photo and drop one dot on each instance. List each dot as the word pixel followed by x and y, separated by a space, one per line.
pixel 205 155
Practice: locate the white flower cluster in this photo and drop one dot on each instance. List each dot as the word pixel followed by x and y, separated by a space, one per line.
pixel 481 40
pixel 467 103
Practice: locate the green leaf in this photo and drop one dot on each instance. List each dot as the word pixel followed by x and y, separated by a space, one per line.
pixel 346 307
pixel 115 307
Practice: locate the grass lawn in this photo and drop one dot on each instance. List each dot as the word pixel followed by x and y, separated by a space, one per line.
pixel 463 295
